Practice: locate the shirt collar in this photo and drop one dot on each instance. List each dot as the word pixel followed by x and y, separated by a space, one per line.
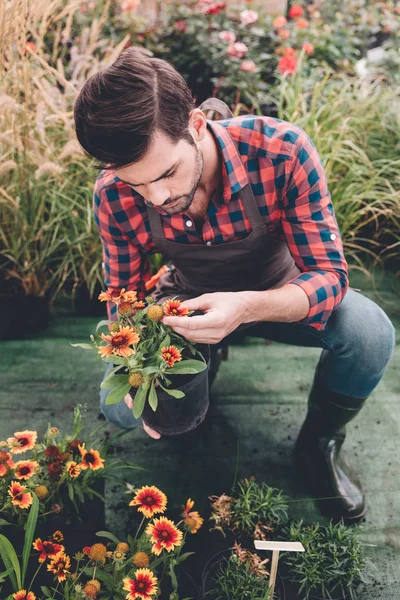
pixel 234 174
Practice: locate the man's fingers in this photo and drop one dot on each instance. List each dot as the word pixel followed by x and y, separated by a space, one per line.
pixel 193 323
pixel 128 401
pixel 151 432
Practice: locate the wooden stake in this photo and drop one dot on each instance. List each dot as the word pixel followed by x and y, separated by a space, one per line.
pixel 274 569
pixel 277 547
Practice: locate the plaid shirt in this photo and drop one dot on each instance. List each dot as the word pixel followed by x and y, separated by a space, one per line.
pixel 289 184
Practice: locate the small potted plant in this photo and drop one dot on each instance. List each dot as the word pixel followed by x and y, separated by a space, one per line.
pixel 142 566
pixel 253 511
pixel 153 363
pixel 65 473
pixel 238 574
pixel 333 564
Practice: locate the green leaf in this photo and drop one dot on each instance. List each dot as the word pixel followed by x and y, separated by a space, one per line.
pixel 153 398
pixel 5 574
pixel 139 401
pixel 84 346
pixel 29 533
pixel 46 591
pixel 71 492
pixel 166 342
pixel 115 360
pixel 183 557
pixel 114 381
pixel 10 561
pixel 173 393
pixel 108 535
pixel 150 370
pixel 103 323
pixel 191 366
pixel 4 523
pixel 118 393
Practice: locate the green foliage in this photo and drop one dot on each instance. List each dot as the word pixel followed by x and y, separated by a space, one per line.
pixel 333 563
pixel 235 580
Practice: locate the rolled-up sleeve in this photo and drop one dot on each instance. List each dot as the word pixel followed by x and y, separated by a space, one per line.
pixel 312 234
pixel 124 265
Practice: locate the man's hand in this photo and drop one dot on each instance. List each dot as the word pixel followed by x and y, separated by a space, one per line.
pixel 224 312
pixel 151 432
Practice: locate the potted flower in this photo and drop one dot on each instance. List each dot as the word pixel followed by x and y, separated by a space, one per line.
pixel 253 511
pixel 142 566
pixel 153 363
pixel 65 473
pixel 332 566
pixel 237 574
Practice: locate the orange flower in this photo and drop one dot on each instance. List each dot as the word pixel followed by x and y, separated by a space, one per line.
pixel 163 534
pixel 111 295
pixel 24 595
pixel 6 463
pixel 192 519
pixel 170 355
pixel 25 469
pixel 143 586
pixel 149 500
pixel 302 23
pixel 173 308
pixel 283 34
pixel 118 342
pixel 296 11
pixel 59 565
pixel 57 536
pixel 19 496
pixel 73 469
pixel 279 22
pixel 46 549
pixel 308 48
pixel 22 441
pixel 91 459
pixel 287 64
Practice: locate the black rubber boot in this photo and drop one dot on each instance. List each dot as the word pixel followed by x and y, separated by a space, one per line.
pixel 317 454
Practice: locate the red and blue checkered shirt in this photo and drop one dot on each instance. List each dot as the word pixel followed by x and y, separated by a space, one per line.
pixel 289 184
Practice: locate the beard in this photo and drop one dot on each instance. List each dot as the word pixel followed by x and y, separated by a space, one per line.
pixel 185 201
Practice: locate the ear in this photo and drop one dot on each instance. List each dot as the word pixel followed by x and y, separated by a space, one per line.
pixel 198 124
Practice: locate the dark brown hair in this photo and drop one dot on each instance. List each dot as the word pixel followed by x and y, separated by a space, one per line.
pixel 120 108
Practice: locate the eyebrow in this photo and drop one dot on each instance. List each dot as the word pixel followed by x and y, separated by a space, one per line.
pixel 154 180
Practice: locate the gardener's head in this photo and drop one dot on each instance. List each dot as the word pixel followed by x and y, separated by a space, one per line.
pixel 137 118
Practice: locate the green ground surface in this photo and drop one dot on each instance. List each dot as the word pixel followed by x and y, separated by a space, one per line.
pixel 258 402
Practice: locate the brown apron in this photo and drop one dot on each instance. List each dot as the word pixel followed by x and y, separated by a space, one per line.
pixel 261 261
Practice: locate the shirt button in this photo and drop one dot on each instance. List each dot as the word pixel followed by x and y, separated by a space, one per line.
pixel 189 223
pixel 209 243
pixel 333 237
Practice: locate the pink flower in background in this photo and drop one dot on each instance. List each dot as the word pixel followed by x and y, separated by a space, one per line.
pixel 287 64
pixel 302 23
pixel 181 26
pixel 308 48
pixel 247 17
pixel 239 50
pixel 210 7
pixel 279 22
pixel 130 5
pixel 227 36
pixel 248 65
pixel 283 34
pixel 296 11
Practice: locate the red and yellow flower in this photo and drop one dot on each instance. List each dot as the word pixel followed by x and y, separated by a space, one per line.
pixel 170 355
pixel 22 441
pixel 46 549
pixel 57 536
pixel 60 565
pixel 192 518
pixel 6 463
pixel 150 501
pixel 173 308
pixel 114 295
pixel 19 495
pixel 296 11
pixel 163 534
pixel 144 585
pixel 24 595
pixel 73 469
pixel 91 459
pixel 119 342
pixel 25 469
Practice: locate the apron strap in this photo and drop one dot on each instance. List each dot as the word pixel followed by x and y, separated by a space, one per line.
pixel 216 105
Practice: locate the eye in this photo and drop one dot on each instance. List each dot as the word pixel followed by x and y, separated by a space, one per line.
pixel 171 174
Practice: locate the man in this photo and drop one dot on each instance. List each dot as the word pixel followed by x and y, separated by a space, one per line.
pixel 241 208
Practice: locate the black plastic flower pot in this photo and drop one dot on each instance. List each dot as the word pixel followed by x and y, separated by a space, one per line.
pixel 175 416
pixel 293 593
pixel 219 560
pixel 23 316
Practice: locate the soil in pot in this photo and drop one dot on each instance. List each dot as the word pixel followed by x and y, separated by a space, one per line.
pixel 175 416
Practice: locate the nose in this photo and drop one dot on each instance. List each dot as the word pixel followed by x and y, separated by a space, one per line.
pixel 158 194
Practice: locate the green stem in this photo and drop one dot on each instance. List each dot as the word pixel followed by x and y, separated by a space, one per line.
pixel 138 529
pixel 33 578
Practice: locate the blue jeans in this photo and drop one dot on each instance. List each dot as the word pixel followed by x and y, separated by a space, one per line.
pixel 357 344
